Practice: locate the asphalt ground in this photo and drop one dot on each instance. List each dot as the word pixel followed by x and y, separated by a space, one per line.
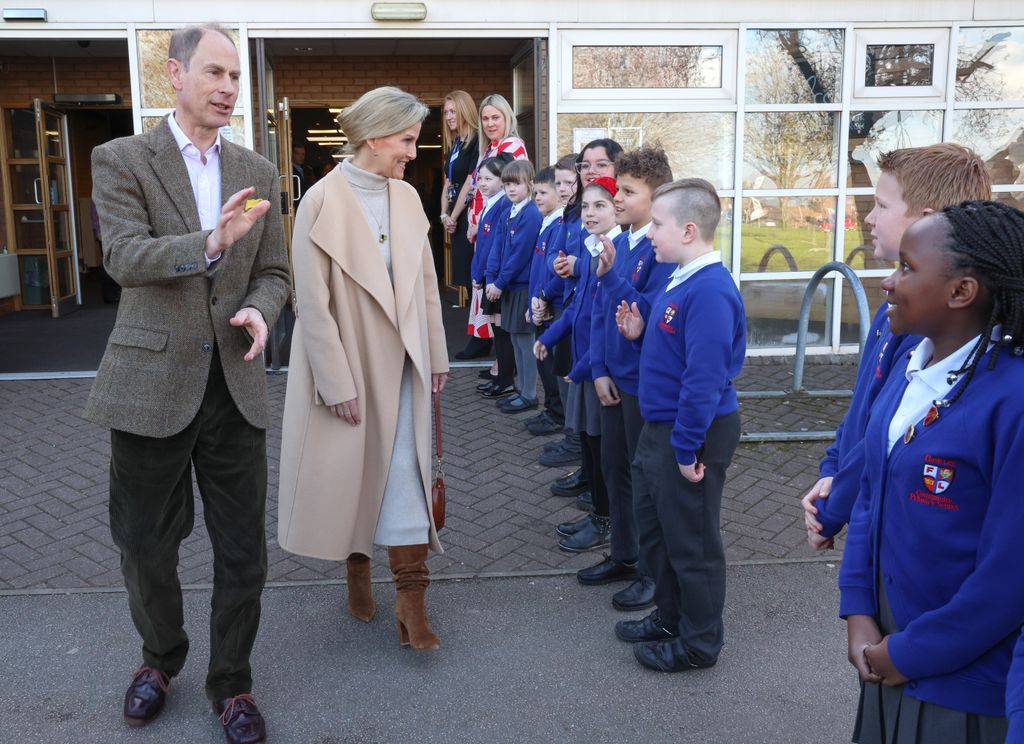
pixel 524 659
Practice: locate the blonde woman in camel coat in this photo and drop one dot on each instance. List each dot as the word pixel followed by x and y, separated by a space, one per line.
pixel 367 352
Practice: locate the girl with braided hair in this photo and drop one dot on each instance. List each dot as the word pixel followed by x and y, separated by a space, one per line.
pixel 931 586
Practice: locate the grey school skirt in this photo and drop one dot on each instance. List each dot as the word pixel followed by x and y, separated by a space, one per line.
pixel 885 715
pixel 583 409
pixel 514 305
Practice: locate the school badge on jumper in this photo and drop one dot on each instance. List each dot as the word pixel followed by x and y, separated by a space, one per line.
pixel 639 267
pixel 937 478
pixel 667 317
pixel 487 227
pixel 670 314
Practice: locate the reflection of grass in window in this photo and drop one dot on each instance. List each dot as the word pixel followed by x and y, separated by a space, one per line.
pixel 810 248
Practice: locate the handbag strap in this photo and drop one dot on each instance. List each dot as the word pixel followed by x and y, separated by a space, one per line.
pixel 437 429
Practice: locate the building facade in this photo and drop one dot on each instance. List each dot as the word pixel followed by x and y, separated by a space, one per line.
pixel 785 107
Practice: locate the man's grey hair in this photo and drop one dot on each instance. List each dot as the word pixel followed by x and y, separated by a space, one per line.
pixel 185 40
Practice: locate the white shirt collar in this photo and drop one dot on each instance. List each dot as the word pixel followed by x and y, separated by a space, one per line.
pixel 937 376
pixel 635 236
pixel 517 208
pixel 551 218
pixel 594 246
pixel 182 139
pixel 682 273
pixel 491 201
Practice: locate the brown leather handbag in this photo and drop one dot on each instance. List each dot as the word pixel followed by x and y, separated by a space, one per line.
pixel 437 490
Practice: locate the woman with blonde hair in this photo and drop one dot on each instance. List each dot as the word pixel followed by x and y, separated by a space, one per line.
pixel 462 150
pixel 499 138
pixel 368 351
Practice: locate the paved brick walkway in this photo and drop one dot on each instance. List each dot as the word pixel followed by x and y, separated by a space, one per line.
pixel 53 487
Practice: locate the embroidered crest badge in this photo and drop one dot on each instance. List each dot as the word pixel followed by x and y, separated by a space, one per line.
pixel 937 478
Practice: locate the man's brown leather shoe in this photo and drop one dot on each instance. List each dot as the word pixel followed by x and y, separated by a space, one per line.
pixel 241 720
pixel 145 696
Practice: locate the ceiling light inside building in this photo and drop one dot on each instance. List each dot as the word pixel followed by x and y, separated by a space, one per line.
pixel 398 11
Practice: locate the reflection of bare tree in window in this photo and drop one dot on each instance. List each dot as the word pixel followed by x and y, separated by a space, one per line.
pixel 647 66
pixel 903 65
pixel 791 149
pixel 794 66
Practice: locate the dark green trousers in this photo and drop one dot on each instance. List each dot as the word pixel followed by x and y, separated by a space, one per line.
pixel 152 511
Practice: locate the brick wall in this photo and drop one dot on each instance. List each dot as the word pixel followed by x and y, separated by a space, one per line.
pixel 340 80
pixel 25 78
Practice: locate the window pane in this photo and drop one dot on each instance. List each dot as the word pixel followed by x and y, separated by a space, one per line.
pixel 647 67
pixel 1014 198
pixel 696 144
pixel 723 233
pixel 989 63
pixel 849 329
pixel 35 280
pixel 787 233
pixel 794 65
pixel 22 133
pixel 859 248
pixel 792 149
pixel 773 309
pixel 997 135
pixel 901 65
pixel 875 132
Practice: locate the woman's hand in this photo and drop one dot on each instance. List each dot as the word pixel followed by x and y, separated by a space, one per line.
pixel 448 223
pixel 471 232
pixel 437 382
pixel 861 633
pixel 349 410
pixel 493 293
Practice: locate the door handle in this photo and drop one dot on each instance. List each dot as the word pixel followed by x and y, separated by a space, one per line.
pixel 36 183
pixel 297 193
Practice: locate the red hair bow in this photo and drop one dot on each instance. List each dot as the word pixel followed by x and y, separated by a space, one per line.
pixel 607 183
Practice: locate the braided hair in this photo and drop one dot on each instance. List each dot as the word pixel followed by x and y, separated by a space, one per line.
pixel 987 241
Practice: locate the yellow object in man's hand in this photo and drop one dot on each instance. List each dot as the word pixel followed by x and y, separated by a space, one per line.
pixel 250 203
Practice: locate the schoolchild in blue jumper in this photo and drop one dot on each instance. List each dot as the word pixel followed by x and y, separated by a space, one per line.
pixel 913 183
pixel 540 313
pixel 628 272
pixel 931 585
pixel 508 279
pixel 1015 695
pixel 551 294
pixel 694 343
pixel 490 225
pixel 599 219
pixel 596 159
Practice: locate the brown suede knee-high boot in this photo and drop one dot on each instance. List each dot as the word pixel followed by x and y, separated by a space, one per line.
pixel 360 595
pixel 409 565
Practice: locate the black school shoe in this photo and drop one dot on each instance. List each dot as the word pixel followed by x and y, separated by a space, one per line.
pixel 544 424
pixel 557 456
pixel 593 536
pixel 648 629
pixel 568 529
pixel 495 391
pixel 485 374
pixel 475 348
pixel 517 404
pixel 637 596
pixel 670 657
pixel 607 571
pixel 585 502
pixel 572 484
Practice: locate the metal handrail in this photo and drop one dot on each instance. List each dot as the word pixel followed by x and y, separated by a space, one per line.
pixel 805 314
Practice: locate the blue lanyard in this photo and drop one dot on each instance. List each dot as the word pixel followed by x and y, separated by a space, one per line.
pixel 456 149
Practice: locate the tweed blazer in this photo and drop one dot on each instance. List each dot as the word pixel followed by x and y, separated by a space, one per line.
pixel 174 312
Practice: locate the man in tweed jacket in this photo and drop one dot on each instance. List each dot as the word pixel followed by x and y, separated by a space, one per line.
pixel 182 383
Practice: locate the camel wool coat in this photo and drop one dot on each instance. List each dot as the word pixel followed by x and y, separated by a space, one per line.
pixel 352 335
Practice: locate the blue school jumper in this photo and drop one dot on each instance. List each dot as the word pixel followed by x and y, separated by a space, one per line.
pixel 1015 695
pixel 508 265
pixel 489 228
pixel 693 347
pixel 634 277
pixel 545 284
pixel 575 234
pixel 844 459
pixel 576 320
pixel 939 520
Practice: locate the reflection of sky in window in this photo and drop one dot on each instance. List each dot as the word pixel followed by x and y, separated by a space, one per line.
pixel 774 76
pixel 997 135
pixel 894 130
pixel 995 59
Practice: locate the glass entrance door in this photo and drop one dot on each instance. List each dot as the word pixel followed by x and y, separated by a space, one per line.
pixel 39 211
